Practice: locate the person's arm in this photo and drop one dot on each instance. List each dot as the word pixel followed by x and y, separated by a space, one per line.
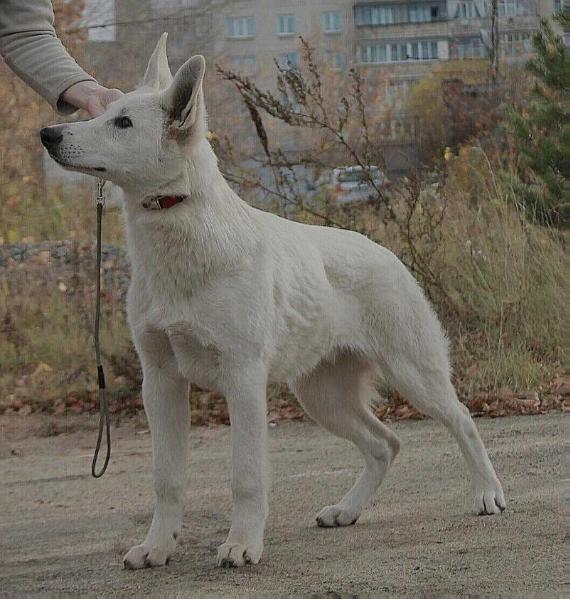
pixel 31 48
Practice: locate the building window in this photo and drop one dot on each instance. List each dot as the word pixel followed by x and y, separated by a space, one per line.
pixel 467 10
pixel 557 6
pixel 398 52
pixel 507 8
pixel 515 43
pixel 465 49
pixel 247 61
pixel 399 13
pixel 240 27
pixel 399 88
pixel 513 8
pixel 433 54
pixel 285 24
pixel 339 61
pixel 477 48
pixel 289 60
pixel 336 59
pixel 375 52
pixel 332 21
pixel 420 13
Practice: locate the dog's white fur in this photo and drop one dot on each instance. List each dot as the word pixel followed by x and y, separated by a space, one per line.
pixel 231 298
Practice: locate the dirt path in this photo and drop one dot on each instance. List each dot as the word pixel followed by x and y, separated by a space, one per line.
pixel 63 532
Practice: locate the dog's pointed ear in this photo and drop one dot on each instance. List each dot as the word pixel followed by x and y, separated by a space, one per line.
pixel 158 75
pixel 183 101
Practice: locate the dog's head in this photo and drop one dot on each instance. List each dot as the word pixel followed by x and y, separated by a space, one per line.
pixel 143 139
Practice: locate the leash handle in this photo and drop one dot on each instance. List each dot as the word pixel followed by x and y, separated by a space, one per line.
pixel 104 423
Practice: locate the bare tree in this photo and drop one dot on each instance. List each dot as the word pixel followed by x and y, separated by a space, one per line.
pixel 342 125
pixel 494 43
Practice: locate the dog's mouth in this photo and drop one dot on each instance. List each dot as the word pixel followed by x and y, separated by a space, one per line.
pixel 73 167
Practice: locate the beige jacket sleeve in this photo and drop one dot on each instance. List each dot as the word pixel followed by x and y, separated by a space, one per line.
pixel 31 48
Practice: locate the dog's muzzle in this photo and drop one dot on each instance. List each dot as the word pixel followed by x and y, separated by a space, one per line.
pixel 51 137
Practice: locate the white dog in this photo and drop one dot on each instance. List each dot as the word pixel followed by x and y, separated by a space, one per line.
pixel 231 298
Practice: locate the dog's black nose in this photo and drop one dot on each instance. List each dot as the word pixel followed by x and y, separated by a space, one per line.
pixel 51 136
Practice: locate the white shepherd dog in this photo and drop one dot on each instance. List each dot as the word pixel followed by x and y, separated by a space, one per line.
pixel 230 298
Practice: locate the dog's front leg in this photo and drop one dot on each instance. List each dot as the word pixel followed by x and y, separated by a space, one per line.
pixel 250 469
pixel 165 396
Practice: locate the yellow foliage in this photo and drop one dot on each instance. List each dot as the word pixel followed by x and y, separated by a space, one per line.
pixel 427 103
pixel 22 114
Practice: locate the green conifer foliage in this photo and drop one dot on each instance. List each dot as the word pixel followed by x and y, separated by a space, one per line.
pixel 542 132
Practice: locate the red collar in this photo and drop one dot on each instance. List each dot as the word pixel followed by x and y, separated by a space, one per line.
pixel 162 202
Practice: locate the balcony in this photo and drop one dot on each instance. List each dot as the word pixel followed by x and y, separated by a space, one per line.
pixel 406 13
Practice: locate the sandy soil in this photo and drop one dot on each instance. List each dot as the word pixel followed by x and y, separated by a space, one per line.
pixel 62 532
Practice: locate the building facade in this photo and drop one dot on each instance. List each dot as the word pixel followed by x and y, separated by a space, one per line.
pixel 402 37
pixel 392 43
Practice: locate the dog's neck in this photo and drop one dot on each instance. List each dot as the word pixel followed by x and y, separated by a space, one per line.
pixel 208 233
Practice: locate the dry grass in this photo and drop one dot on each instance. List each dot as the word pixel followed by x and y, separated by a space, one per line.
pixel 497 285
pixel 495 278
pixel 46 351
pixel 57 212
pixel 504 276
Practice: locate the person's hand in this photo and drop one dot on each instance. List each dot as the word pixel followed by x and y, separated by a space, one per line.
pixel 91 97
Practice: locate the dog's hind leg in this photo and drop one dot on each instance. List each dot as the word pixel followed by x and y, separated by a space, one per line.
pixel 165 396
pixel 432 393
pixel 336 395
pixel 415 361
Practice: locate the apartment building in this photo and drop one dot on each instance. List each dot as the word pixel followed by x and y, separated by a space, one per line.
pixel 401 38
pixel 258 33
pixel 404 39
pixel 393 43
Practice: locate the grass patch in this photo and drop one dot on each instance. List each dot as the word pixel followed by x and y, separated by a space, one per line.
pixel 494 277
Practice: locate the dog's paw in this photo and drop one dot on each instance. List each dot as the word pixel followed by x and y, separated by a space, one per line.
pixel 334 515
pixel 145 556
pixel 234 555
pixel 490 500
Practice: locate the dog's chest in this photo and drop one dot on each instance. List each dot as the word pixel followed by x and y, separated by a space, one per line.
pixel 198 358
pixel 206 327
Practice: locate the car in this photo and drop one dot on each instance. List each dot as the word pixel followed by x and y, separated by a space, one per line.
pixel 357 184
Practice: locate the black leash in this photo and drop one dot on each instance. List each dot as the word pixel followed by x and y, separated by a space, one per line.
pixel 103 405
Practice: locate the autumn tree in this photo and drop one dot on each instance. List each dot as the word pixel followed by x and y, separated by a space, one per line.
pixel 453 103
pixel 22 114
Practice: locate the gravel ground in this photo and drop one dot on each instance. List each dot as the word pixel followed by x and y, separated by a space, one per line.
pixel 62 532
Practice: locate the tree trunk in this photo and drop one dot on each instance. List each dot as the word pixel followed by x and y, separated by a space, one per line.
pixel 494 44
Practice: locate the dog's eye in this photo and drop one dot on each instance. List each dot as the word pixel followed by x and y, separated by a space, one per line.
pixel 123 122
